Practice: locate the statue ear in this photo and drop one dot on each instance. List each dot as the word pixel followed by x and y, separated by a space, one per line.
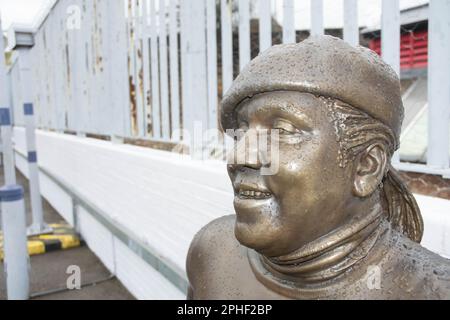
pixel 370 169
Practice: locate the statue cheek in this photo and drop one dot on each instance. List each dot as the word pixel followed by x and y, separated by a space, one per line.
pixel 296 164
pixel 290 175
pixel 293 167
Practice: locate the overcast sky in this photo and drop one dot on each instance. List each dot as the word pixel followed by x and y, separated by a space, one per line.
pixel 21 11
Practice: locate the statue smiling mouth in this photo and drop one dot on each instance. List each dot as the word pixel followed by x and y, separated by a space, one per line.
pixel 252 199
pixel 249 191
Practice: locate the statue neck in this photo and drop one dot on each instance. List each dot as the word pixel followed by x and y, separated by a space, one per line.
pixel 327 257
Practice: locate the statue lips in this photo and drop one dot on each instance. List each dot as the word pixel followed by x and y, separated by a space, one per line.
pixel 251 199
pixel 251 191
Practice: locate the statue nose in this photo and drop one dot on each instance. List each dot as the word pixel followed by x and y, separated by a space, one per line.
pixel 247 151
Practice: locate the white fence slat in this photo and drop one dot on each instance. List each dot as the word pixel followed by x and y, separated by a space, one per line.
pixel 227 45
pixel 88 114
pixel 390 40
pixel 84 67
pixel 146 62
pixel 351 29
pixel 4 103
pixel 163 71
pixel 145 25
pixel 288 22
pixel 244 33
pixel 212 63
pixel 390 33
pixel 439 83
pixel 156 120
pixel 119 90
pixel 44 78
pixel 16 95
pixel 131 33
pixel 195 101
pixel 98 79
pixel 146 65
pixel 72 33
pixel 81 75
pixel 37 74
pixel 66 86
pixel 47 80
pixel 174 73
pixel 316 17
pixel 140 96
pixel 265 25
pixel 52 47
pixel 57 51
pixel 185 27
pixel 49 75
pixel 104 117
pixel 198 59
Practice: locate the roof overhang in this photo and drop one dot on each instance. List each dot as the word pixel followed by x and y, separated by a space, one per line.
pixel 410 16
pixel 20 37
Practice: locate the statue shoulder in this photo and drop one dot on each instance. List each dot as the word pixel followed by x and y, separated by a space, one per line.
pixel 208 246
pixel 429 271
pixel 212 234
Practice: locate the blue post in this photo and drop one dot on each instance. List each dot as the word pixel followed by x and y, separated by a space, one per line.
pixel 16 258
pixel 5 122
pixel 38 225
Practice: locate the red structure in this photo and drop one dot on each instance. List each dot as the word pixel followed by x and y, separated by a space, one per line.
pixel 413 49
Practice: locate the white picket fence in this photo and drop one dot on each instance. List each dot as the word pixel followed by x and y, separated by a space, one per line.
pixel 145 68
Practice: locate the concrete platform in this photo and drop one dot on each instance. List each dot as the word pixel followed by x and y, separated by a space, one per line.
pixel 48 271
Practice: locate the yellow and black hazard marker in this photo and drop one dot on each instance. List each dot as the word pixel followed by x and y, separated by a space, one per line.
pixel 63 237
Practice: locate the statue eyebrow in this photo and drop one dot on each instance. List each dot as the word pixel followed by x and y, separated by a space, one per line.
pixel 292 109
pixel 288 109
pixel 284 108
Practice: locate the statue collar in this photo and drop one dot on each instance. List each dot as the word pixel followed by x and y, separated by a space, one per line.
pixel 318 263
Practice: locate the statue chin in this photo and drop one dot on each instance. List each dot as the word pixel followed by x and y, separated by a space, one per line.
pixel 260 237
pixel 245 236
pixel 254 228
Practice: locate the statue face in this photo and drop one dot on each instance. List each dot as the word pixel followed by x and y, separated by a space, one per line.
pixel 310 193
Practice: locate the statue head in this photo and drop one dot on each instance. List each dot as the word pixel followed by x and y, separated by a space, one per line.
pixel 338 112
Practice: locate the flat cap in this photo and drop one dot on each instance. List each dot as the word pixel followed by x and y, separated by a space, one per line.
pixel 321 65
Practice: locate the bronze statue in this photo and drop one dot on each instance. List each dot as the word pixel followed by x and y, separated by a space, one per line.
pixel 335 221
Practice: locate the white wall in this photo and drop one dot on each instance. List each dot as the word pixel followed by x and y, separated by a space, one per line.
pixel 436 216
pixel 159 198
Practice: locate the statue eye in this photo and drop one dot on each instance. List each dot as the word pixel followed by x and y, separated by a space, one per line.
pixel 285 127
